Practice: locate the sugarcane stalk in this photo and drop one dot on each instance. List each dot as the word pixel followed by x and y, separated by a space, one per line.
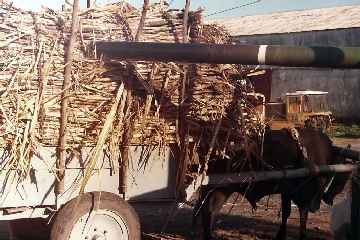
pixel 103 136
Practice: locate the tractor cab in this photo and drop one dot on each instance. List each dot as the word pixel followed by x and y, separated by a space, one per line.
pixel 309 108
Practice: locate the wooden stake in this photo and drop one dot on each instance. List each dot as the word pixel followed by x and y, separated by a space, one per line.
pixel 167 79
pixel 125 144
pixel 142 20
pixel 60 163
pixel 150 96
pixel 212 144
pixel 183 127
pixel 129 102
pixel 186 19
pixel 89 3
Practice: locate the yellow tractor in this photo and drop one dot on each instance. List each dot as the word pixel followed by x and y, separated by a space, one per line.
pixel 301 108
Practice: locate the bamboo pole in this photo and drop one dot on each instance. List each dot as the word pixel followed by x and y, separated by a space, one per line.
pixel 60 163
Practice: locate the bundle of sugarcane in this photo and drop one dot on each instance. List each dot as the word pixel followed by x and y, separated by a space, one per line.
pixel 32 76
pixel 32 46
pixel 211 89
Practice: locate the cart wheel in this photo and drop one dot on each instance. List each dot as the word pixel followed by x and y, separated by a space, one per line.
pixel 96 216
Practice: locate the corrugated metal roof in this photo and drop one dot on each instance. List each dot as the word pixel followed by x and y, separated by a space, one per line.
pixel 293 21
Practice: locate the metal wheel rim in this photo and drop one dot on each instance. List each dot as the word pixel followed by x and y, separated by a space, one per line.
pixel 100 225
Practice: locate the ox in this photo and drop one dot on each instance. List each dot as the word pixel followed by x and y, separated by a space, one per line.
pixel 282 149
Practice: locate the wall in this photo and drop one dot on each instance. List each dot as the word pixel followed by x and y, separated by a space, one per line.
pixel 337 37
pixel 343 85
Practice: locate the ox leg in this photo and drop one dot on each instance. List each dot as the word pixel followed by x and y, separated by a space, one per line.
pixel 197 218
pixel 303 219
pixel 205 219
pixel 285 213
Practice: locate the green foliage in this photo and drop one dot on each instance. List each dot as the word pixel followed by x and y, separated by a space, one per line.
pixel 345 130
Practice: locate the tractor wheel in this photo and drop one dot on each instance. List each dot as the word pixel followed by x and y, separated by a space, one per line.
pixel 96 216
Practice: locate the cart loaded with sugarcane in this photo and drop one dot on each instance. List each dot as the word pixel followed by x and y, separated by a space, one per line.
pixel 95 102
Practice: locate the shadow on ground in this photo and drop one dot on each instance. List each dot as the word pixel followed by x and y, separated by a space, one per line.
pixel 163 220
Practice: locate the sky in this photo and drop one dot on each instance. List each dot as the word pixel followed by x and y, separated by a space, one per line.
pixel 212 7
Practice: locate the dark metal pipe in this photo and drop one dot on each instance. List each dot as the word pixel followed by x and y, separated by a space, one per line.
pixel 331 57
pixel 243 177
pixel 347 153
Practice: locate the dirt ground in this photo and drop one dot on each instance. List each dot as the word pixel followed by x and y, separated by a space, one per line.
pixel 236 221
